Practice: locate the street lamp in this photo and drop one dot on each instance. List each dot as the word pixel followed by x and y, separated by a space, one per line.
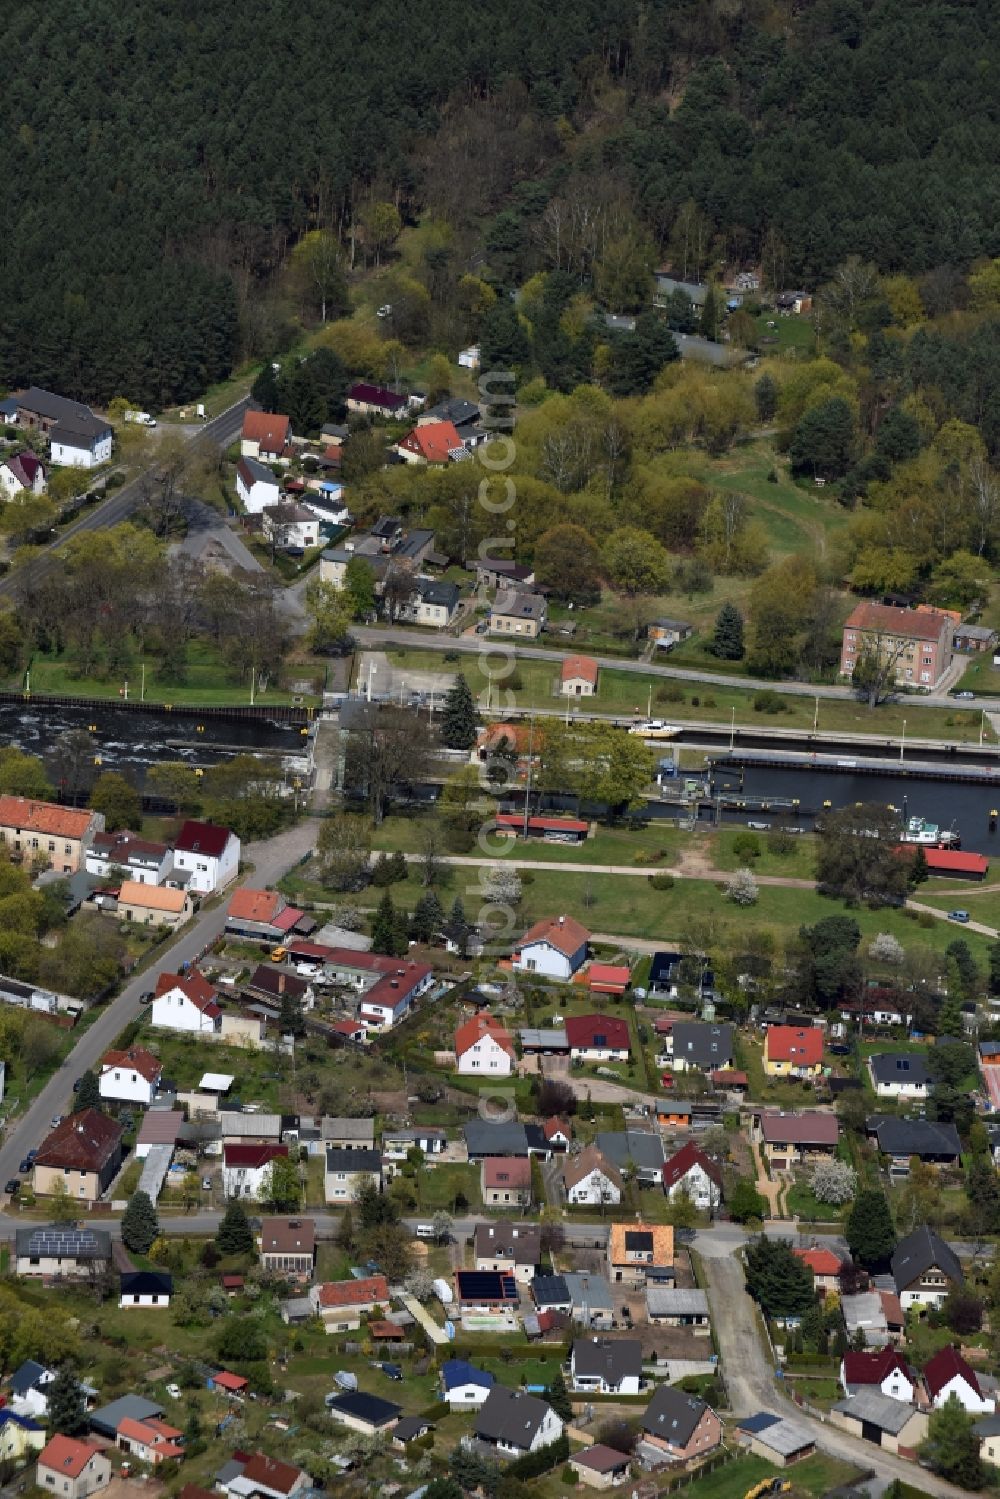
pixel 902 743
pixel 732 731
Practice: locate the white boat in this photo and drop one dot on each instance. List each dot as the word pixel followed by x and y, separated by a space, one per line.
pixel 928 834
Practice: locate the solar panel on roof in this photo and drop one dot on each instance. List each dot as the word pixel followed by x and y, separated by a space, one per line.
pixel 489 1284
pixel 62 1240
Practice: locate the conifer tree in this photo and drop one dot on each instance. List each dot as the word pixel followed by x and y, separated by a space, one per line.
pixel 88 1094
pixel 460 721
pixel 67 1408
pixel 384 927
pixel 140 1225
pixel 727 640
pixel 235 1236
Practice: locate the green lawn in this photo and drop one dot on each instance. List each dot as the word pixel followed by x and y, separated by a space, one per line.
pixel 208 681
pixel 802 1204
pixel 785 1091
pixel 798 863
pixel 791 332
pixel 617 845
pixel 982 905
pixel 816 1475
pixel 438 1186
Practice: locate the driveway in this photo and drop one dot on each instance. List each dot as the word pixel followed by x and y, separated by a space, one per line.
pixel 750 1379
pixel 270 860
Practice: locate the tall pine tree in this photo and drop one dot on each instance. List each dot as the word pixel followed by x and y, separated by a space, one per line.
pixel 140 1224
pixel 235 1236
pixel 457 928
pixel 88 1094
pixel 870 1233
pixel 427 920
pixel 291 1015
pixel 460 720
pixel 384 927
pixel 67 1408
pixel 727 640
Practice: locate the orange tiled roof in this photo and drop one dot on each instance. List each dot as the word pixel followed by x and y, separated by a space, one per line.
pixel 663 1242
pixel 354 1292
pixel 563 933
pixel 471 1031
pixel 44 817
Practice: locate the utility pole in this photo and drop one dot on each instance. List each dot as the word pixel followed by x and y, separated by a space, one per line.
pixel 527 785
pixel 902 743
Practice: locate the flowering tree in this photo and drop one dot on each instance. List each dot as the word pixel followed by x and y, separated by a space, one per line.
pixel 742 888
pixel 834 1181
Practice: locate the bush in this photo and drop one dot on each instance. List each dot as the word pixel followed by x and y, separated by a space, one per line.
pixel 670 692
pixel 772 476
pixel 569 1474
pixel 925 919
pixel 781 843
pixel 767 701
pixel 695 700
pixel 746 846
pixel 661 881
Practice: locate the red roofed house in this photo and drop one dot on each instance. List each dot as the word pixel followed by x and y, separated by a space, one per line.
pixel 695 1173
pixel 558 1132
pixel 131 1076
pixel 954 864
pixel 886 1371
pixel 151 1440
pixel 228 1384
pixel 186 1002
pixel 266 435
pixel 209 854
pixel 267 1476
pixel 824 1264
pixel 578 677
pixel 261 913
pixel 948 1374
pixel 390 997
pixel 553 948
pixel 81 1154
pixel 506 1181
pixel 608 978
pixel 341 1303
pixel 916 644
pixel 22 473
pixel 33 830
pixel 483 1045
pixel 246 1168
pixel 793 1051
pixel 375 400
pixel 598 1038
pixel 72 1469
pixel 432 442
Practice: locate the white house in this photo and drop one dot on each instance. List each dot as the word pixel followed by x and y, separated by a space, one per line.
pixel 598 1038
pixel 465 1386
pixel 433 605
pixel 692 1172
pixel 899 1075
pixel 145 1289
pixel 601 1366
pixel 256 486
pixel 590 1179
pixel 389 999
pixel 484 1046
pixel 87 447
pixel 885 1371
pixel 553 948
pixel 246 1169
pixel 947 1374
pixel 29 1393
pixel 24 473
pixel 145 862
pixel 186 1002
pixel 289 525
pixel 210 855
pixel 131 1076
pixel 516 1423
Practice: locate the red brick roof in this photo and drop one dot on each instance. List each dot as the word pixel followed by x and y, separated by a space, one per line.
pixel 44 817
pixel 256 905
pixel 485 1024
pixel 355 1292
pixel 886 619
pixel 563 933
pixel 612 978
pixel 800 1045
pixel 502 1171
pixel 268 428
pixel 227 1381
pixel 873 1368
pixel 66 1455
pixel 585 1032
pixel 433 441
pixel 584 667
pixel 811 1128
pixel 253 1155
pixel 946 1364
pixel 680 1164
pixel 557 1126
pixel 82 1142
pixel 138 1059
pixel 271 1474
pixel 194 986
pixel 820 1261
pixel 203 838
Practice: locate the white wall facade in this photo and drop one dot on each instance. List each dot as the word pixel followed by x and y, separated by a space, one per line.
pixel 486 1056
pixel 174 1011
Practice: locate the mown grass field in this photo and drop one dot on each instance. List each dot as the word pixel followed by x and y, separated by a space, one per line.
pixel 208 682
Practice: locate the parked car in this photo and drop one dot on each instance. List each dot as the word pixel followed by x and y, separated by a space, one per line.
pixel 57 1119
pixel 966 695
pixel 174 1391
pixel 78 1085
pixel 206 1184
pixel 961 916
pixel 25 1167
pixel 13 1187
pixel 146 997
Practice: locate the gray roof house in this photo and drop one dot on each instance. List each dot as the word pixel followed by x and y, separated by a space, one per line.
pixel 352 1134
pixel 929 1140
pixel 899 1070
pixel 551 1293
pixel 516 1422
pixel 511 1243
pixel 591 1301
pixel 485 1138
pixel 707 1047
pixel 634 1151
pixel 924 1267
pixel 673 1415
pixel 107 1420
pixel 607 1366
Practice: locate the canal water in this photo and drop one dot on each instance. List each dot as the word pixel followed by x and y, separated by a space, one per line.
pixel 964 805
pixel 135 740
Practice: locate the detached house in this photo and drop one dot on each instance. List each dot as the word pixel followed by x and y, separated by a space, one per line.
pixel 375 400
pixel 677 1427
pixel 153 905
pixel 210 855
pixel 886 1371
pixel 790 1138
pixel 484 1046
pixel 266 435
pixel 20 1436
pixel 465 1386
pixel 589 1180
pixel 82 1154
pixel 516 1423
pixel 290 527
pixel 604 1367
pixel 246 1169
pixel 509 1248
pixel 431 442
pixel 72 1469
pixel 693 1044
pixel 131 1076
pixel 346 1171
pixel 899 1075
pixel 506 1182
pixel 793 1051
pixel 256 486
pixel 265 1477
pixel 639 1252
pixel 186 1002
pixel 578 677
pixel 554 947
pixel 518 613
pixel 947 1374
pixel 143 861
pixel 924 1269
pixel 22 474
pixel 77 438
pixel 692 1172
pixel 598 1038
pixel 288 1247
pixel 340 1304
pixel 145 1288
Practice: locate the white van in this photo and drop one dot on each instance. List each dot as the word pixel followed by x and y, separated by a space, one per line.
pixel 424 1231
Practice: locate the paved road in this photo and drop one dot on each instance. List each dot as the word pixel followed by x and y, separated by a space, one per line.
pixel 750 1377
pixel 271 860
pixel 220 431
pixel 472 645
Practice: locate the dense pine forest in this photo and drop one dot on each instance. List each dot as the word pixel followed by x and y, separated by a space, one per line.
pixel 163 157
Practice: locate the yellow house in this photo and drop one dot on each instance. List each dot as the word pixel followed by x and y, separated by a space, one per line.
pixel 793 1051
